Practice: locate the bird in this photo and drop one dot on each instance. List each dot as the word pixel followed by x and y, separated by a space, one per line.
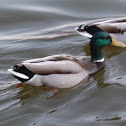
pixel 115 27
pixel 64 70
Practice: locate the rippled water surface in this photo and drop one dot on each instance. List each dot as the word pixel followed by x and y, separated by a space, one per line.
pixel 38 28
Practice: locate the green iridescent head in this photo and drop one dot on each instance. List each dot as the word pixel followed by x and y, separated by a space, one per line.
pixel 99 40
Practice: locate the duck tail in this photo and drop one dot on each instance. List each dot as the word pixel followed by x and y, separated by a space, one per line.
pixel 21 73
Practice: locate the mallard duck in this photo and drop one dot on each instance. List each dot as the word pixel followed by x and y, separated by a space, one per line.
pixel 116 29
pixel 63 71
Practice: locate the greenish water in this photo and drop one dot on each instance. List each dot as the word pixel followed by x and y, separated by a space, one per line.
pixel 38 28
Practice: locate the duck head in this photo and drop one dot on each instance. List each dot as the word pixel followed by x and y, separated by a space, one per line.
pixel 98 41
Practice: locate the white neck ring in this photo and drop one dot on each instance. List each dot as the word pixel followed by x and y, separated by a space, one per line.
pixel 101 60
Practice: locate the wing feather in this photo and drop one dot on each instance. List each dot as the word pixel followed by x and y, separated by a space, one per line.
pixel 58 64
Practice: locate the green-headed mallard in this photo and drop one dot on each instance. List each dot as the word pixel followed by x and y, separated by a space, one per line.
pixel 63 71
pixel 116 29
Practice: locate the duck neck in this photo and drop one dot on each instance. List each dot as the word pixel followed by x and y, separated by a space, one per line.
pixel 96 54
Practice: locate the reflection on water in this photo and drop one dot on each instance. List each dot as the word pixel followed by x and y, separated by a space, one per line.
pixel 38 28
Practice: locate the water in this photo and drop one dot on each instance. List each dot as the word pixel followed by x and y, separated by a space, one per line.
pixel 38 28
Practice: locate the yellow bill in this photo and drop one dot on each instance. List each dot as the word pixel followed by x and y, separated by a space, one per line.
pixel 117 43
